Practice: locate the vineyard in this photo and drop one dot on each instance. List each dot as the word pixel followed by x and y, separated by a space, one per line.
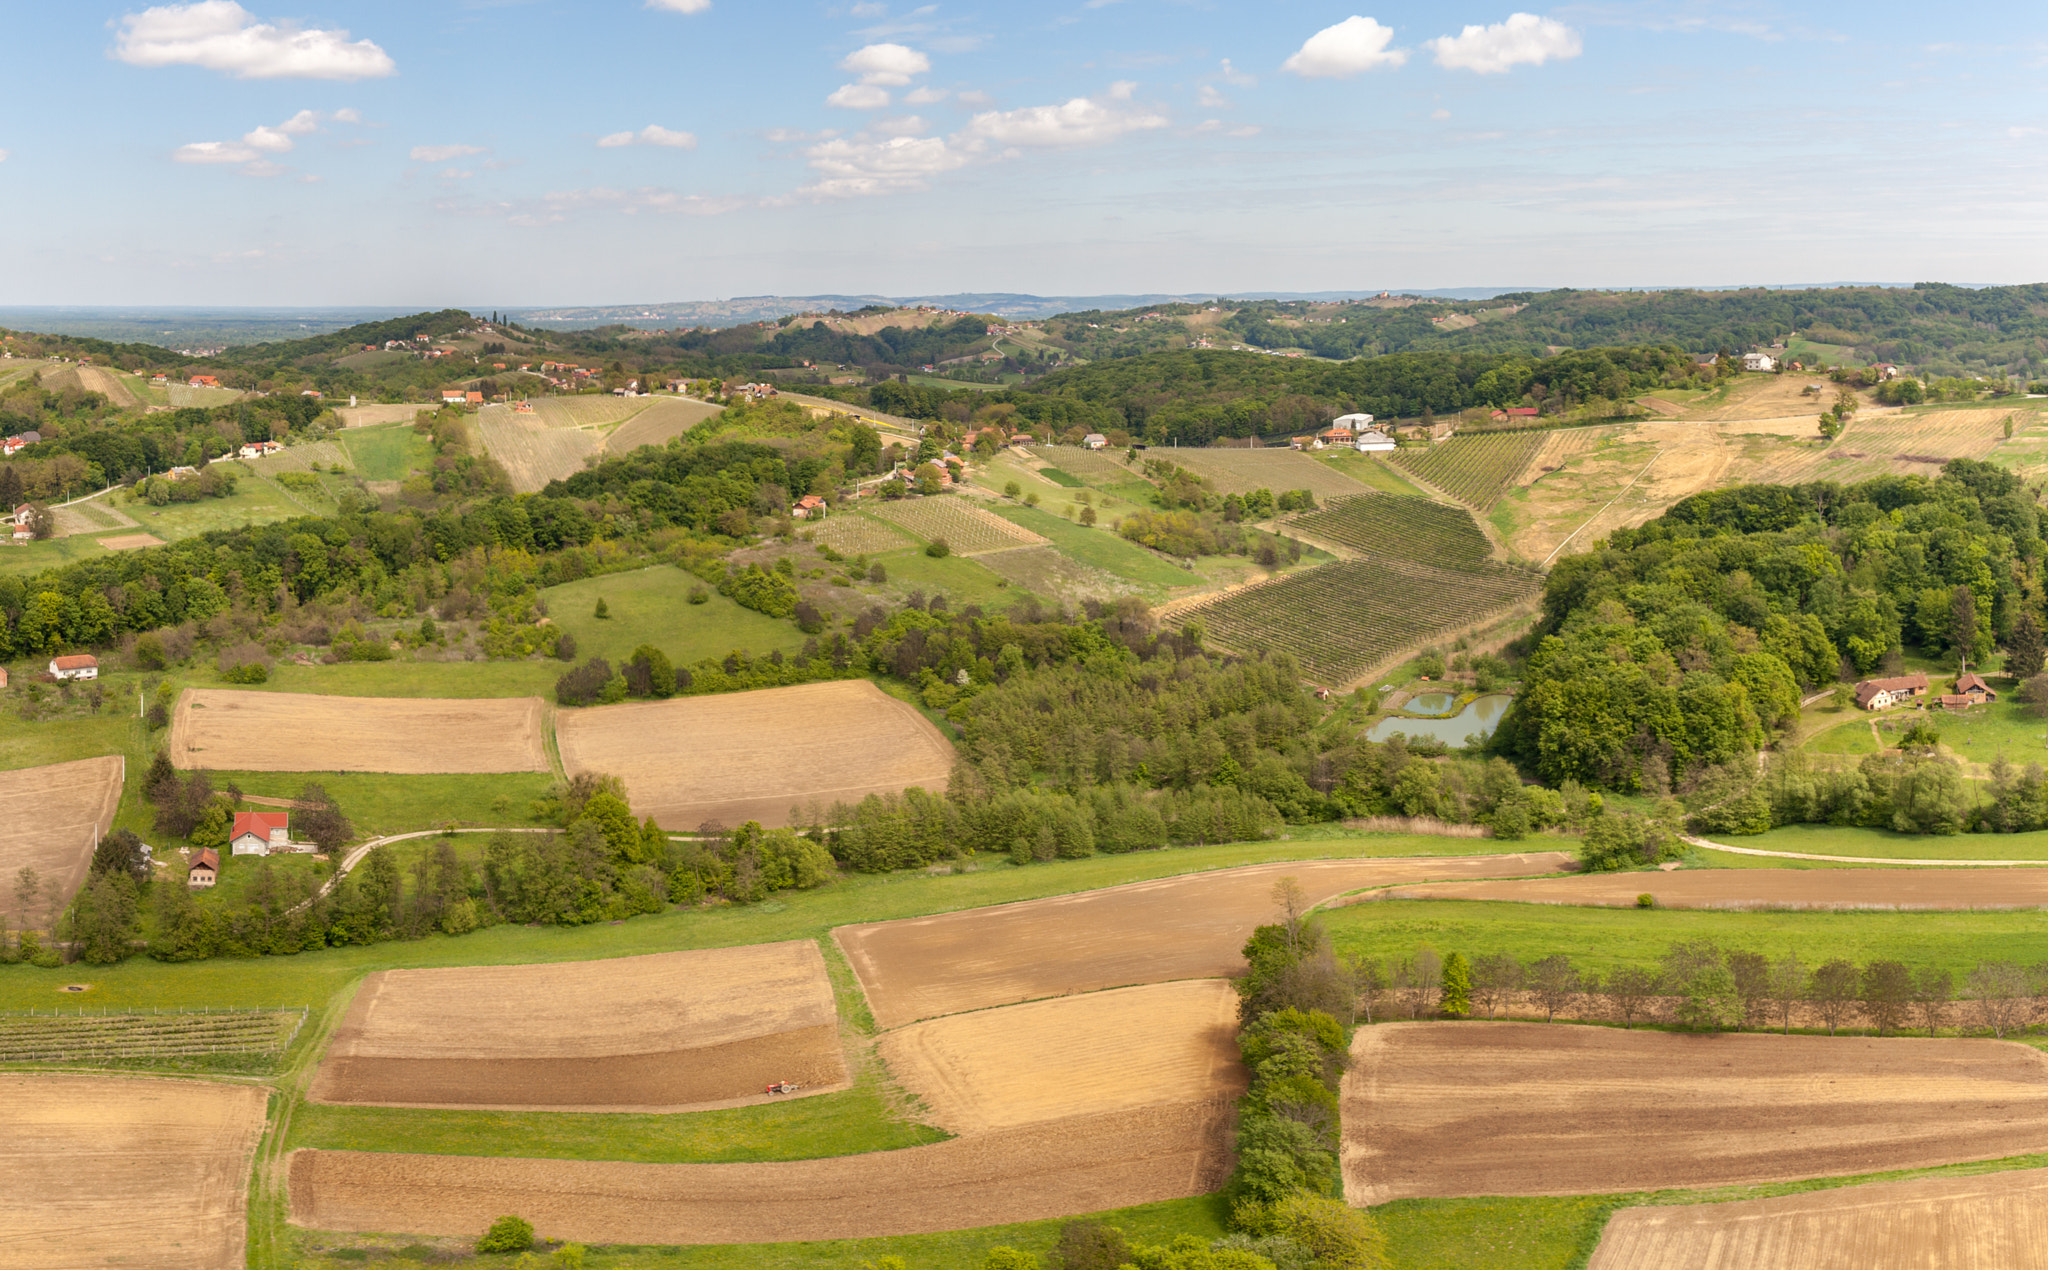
pixel 852 534
pixel 531 453
pixel 1477 468
pixel 1401 527
pixel 1093 466
pixel 65 1037
pixel 967 530
pixel 1345 620
pixel 1241 471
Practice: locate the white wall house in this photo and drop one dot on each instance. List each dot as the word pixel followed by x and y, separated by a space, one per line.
pixel 1759 361
pixel 1372 441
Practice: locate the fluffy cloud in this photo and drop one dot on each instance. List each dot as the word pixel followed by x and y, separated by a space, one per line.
pixel 924 96
pixel 1083 121
pixel 441 154
pixel 221 35
pixel 1353 45
pixel 859 97
pixel 891 65
pixel 257 143
pixel 851 166
pixel 680 6
pixel 652 135
pixel 1523 40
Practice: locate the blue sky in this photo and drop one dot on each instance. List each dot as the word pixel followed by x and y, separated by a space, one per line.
pixel 528 152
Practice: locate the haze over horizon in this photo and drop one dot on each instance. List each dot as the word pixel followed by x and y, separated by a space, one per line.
pixel 212 154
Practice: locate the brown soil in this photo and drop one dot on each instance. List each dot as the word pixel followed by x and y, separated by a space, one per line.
pixel 1086 1164
pixel 1766 888
pixel 1995 1222
pixel 746 756
pixel 1273 467
pixel 1188 927
pixel 118 389
pixel 51 818
pixel 668 417
pixel 297 732
pixel 1448 1109
pixel 1048 1060
pixel 131 1172
pixel 368 416
pixel 666 1031
pixel 130 542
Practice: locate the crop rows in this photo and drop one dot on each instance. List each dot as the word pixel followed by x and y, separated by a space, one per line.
pixel 852 534
pixel 1404 527
pixel 70 1038
pixel 1092 466
pixel 1475 467
pixel 1344 620
pixel 968 530
pixel 1234 471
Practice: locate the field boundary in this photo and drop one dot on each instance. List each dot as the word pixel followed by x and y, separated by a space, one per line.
pixel 1864 859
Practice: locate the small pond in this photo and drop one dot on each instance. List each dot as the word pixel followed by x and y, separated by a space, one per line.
pixel 1481 715
pixel 1433 704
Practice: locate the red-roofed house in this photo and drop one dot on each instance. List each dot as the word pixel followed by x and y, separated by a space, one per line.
pixel 473 398
pixel 260 832
pixel 1513 412
pixel 205 870
pixel 76 666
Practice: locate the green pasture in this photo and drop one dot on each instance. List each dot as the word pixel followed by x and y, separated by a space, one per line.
pixel 1368 469
pixel 532 678
pixel 652 606
pixel 254 502
pixel 52 553
pixel 959 578
pixel 378 803
pixel 1852 841
pixel 1100 547
pixel 386 453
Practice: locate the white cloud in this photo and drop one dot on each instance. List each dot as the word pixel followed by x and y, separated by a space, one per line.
pixel 891 65
pixel 1232 75
pixel 1337 52
pixel 1209 98
pixel 1439 113
pixel 1523 40
pixel 1081 122
pixel 215 152
pixel 221 35
pixel 680 6
pixel 903 126
pixel 975 97
pixel 868 10
pixel 348 114
pixel 859 97
pixel 441 154
pixel 254 145
pixel 1249 130
pixel 456 174
pixel 652 135
pixel 612 140
pixel 858 165
pixel 924 96
pixel 303 123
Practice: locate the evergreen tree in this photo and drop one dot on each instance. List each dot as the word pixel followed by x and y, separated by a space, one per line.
pixel 1457 997
pixel 2024 650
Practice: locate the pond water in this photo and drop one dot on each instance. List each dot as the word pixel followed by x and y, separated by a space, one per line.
pixel 1433 704
pixel 1481 715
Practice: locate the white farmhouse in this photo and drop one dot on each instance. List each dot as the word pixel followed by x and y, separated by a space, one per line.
pixel 1759 361
pixel 78 666
pixel 1373 441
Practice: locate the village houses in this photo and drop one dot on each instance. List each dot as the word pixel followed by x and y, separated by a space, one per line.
pixel 1882 694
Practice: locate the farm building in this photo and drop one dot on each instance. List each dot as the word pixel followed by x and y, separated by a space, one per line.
pixel 1879 694
pixel 205 870
pixel 1971 689
pixel 203 381
pixel 453 396
pixel 1304 443
pixel 3 676
pixel 1513 413
pixel 76 666
pixel 1885 371
pixel 260 832
pixel 1373 441
pixel 1355 422
pixel 1759 361
pixel 808 506
pixel 1095 440
pixel 257 449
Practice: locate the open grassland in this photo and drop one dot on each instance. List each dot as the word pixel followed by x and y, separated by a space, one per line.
pixel 853 534
pixel 1883 889
pixel 51 818
pixel 967 528
pixel 1994 1222
pixel 1191 927
pixel 254 502
pixel 1344 620
pixel 1100 548
pixel 1079 1165
pixel 114 1171
pixel 1629 474
pixel 1896 443
pixel 652 606
pixel 389 453
pixel 1837 840
pixel 284 732
pixel 1475 468
pixel 1046 572
pixel 372 415
pixel 94 517
pixel 184 396
pixel 1371 470
pixel 667 1032
pixel 1419 529
pixel 302 457
pixel 1241 471
pixel 753 755
pixel 1533 1109
pixel 1079 1055
pixel 663 419
pixel 531 452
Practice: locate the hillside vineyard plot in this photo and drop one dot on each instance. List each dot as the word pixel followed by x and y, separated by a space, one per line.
pixel 850 533
pixel 1093 466
pixel 1477 468
pixel 1241 471
pixel 1399 526
pixel 1342 620
pixel 967 529
pixel 531 452
pixel 87 1038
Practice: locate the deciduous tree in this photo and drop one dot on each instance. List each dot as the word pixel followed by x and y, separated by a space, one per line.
pixel 1887 994
pixel 1833 989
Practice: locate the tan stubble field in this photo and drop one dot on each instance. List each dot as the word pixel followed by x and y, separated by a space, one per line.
pixel 1882 889
pixel 233 731
pixel 51 818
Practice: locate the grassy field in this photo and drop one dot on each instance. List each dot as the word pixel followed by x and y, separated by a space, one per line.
pixel 1485 1234
pixel 651 606
pixel 388 453
pixel 254 502
pixel 417 679
pixel 1369 469
pixel 1099 548
pixel 1883 843
pixel 51 553
pixel 379 804
pixel 960 580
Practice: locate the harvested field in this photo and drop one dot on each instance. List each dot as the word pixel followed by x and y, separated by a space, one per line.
pixel 131 1172
pixel 531 452
pixel 1096 467
pixel 118 389
pixel 1994 1222
pixel 1189 927
pixel 1547 1109
pixel 130 542
pixel 667 1032
pixel 967 529
pixel 297 732
pixel 751 755
pixel 1885 443
pixel 1887 889
pixel 1082 1165
pixel 853 534
pixel 366 416
pixel 1614 484
pixel 1240 471
pixel 660 422
pixel 51 818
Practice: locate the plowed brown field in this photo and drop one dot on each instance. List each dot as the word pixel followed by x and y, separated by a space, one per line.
pixel 667 1032
pixel 1998 1222
pixel 1188 927
pixel 1444 1109
pixel 1085 1164
pixel 1765 888
pixel 130 542
pixel 753 755
pixel 297 732
pixel 1106 1051
pixel 130 1172
pixel 51 818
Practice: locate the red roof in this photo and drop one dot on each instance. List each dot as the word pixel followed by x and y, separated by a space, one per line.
pixel 77 661
pixel 207 858
pixel 259 823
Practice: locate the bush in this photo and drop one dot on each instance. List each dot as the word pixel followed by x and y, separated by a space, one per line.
pixel 700 595
pixel 1646 900
pixel 877 572
pixel 565 647
pixel 581 686
pixel 507 1234
pixel 602 611
pixel 938 548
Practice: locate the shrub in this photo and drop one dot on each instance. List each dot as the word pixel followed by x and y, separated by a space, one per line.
pixel 1646 900
pixel 565 647
pixel 252 673
pixel 938 548
pixel 877 572
pixel 602 611
pixel 581 686
pixel 507 1234
pixel 700 595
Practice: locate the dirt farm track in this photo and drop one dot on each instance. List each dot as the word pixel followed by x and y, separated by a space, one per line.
pixel 293 732
pixel 1445 1109
pixel 1888 889
pixel 125 1171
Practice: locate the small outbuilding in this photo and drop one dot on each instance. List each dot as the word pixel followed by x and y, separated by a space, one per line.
pixel 76 666
pixel 1373 441
pixel 1095 440
pixel 205 869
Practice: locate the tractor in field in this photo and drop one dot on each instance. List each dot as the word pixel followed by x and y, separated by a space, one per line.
pixel 784 1087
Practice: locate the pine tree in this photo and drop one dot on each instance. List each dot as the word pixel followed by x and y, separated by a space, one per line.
pixel 2024 651
pixel 602 609
pixel 1457 997
pixel 10 489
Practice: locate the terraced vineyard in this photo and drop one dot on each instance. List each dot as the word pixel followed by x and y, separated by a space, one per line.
pixel 967 529
pixel 1346 619
pixel 1093 466
pixel 1477 468
pixel 1402 527
pixel 853 534
pixel 80 1038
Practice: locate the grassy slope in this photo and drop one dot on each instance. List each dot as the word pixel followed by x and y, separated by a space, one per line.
pixel 386 453
pixel 651 606
pixel 1098 548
